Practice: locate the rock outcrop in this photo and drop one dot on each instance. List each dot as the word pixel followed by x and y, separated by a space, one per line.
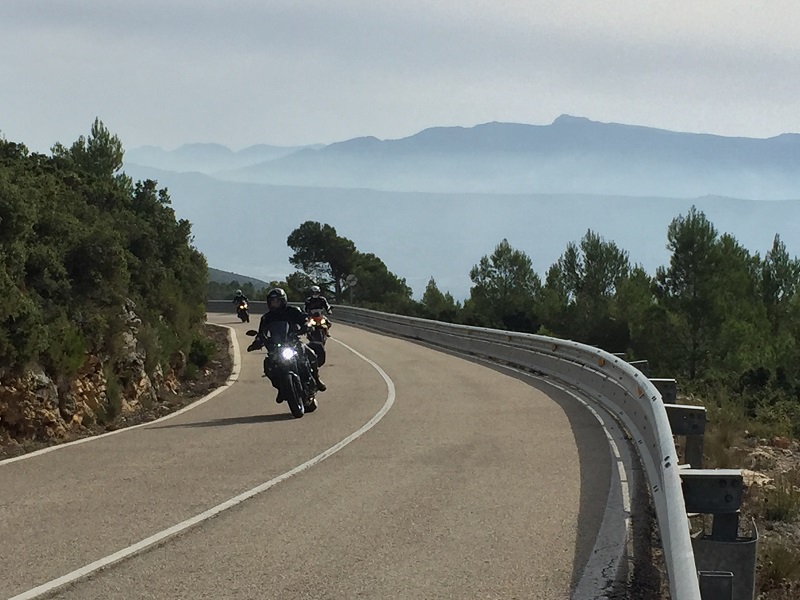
pixel 39 407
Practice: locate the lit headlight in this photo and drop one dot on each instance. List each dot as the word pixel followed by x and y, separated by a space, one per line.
pixel 287 353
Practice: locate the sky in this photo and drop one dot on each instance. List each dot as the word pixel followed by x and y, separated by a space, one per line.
pixel 294 72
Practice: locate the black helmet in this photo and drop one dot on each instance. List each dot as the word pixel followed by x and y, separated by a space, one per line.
pixel 276 298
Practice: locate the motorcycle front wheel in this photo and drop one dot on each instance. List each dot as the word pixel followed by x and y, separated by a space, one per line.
pixel 293 394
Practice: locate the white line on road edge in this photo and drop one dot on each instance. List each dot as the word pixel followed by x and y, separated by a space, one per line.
pixel 237 365
pixel 146 543
pixel 613 535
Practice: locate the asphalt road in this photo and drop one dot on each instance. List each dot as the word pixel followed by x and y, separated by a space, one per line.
pixel 470 483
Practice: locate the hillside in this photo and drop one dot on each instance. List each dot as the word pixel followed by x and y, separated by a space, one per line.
pixel 225 277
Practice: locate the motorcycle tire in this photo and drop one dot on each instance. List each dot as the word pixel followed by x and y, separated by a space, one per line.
pixel 292 392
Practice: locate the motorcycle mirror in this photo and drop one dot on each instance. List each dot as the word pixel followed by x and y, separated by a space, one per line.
pixel 251 332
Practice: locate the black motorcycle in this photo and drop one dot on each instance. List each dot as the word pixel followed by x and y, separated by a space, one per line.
pixel 242 313
pixel 288 366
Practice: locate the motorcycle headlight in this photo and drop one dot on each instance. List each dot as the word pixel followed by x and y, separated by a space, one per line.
pixel 287 353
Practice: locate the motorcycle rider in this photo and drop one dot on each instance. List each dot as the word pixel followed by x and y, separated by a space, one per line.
pixel 279 310
pixel 239 298
pixel 316 301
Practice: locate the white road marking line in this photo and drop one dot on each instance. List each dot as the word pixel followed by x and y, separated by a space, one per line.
pixel 146 543
pixel 605 552
pixel 237 365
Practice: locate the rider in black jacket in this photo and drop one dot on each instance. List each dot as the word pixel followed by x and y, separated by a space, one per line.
pixel 240 297
pixel 316 301
pixel 279 310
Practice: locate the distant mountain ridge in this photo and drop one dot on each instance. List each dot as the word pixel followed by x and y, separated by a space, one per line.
pixel 573 155
pixel 226 277
pixel 206 157
pixel 433 203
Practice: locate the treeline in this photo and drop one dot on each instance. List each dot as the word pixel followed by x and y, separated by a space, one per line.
pixel 79 240
pixel 324 258
pixel 722 320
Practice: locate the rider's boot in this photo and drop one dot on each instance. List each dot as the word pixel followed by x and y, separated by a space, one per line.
pixel 320 384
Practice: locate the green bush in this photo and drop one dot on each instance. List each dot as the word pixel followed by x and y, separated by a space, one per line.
pixel 113 406
pixel 66 352
pixel 201 352
pixel 77 241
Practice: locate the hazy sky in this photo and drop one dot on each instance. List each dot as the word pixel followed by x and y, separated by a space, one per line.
pixel 289 72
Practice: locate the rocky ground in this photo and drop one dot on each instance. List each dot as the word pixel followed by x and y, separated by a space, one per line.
pixel 772 499
pixel 181 393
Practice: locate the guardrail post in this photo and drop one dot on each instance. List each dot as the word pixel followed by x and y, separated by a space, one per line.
pixel 684 420
pixel 716 584
pixel 642 365
pixel 667 387
pixel 689 422
pixel 719 492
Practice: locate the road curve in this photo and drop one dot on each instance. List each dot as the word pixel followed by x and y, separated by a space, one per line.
pixel 474 484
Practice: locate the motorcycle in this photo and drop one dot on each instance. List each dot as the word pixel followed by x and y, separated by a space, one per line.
pixel 289 367
pixel 242 313
pixel 317 334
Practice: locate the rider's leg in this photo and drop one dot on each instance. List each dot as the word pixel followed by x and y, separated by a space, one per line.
pixel 311 356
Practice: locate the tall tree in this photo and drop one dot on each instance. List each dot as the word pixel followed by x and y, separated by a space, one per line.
pixel 437 305
pixel 323 255
pixel 377 285
pixel 101 153
pixel 505 289
pixel 687 287
pixel 779 282
pixel 632 305
pixel 586 277
pixel 298 286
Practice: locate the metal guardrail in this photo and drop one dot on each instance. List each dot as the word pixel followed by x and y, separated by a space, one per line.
pixel 637 403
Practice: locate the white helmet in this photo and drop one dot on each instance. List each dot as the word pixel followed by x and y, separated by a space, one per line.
pixel 315 289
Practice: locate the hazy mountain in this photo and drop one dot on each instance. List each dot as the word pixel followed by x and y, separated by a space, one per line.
pixel 206 158
pixel 572 155
pixel 243 227
pixel 226 277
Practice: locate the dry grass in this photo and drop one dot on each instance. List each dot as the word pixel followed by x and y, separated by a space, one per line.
pixel 782 502
pixel 778 571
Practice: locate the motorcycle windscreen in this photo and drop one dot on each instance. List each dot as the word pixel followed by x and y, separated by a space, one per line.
pixel 279 332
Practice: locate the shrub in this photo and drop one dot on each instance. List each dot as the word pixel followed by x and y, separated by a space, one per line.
pixel 201 351
pixel 113 406
pixel 66 351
